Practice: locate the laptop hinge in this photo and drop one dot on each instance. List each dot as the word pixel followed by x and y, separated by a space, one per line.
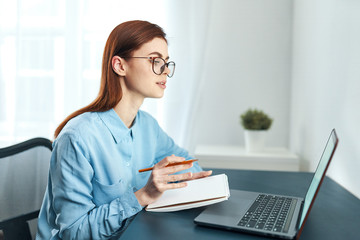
pixel 300 214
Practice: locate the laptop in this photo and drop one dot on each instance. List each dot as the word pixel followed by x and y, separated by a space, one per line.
pixel 265 214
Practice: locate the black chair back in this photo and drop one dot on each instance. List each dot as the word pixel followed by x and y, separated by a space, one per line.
pixel 23 179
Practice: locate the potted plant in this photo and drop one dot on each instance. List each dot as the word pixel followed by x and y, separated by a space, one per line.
pixel 256 123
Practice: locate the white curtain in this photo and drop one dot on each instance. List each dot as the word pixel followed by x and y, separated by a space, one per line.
pixel 188 23
pixel 50 60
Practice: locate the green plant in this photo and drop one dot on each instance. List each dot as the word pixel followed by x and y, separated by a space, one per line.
pixel 254 119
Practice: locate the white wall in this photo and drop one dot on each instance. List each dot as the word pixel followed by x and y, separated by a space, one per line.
pixel 297 60
pixel 247 63
pixel 326 85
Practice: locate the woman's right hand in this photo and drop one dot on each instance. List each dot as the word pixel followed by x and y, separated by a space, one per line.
pixel 161 179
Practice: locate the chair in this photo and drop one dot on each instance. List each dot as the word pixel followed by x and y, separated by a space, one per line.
pixel 23 179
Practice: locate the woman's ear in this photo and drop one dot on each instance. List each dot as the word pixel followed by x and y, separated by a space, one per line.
pixel 118 65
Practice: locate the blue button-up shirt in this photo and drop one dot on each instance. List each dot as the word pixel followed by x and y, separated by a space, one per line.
pixel 94 174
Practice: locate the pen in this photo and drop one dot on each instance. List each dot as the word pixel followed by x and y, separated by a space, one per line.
pixel 169 165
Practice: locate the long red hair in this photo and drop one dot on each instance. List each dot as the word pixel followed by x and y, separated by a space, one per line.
pixel 122 41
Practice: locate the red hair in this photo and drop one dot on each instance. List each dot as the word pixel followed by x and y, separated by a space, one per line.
pixel 122 41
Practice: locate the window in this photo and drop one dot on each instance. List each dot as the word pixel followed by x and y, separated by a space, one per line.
pixel 50 59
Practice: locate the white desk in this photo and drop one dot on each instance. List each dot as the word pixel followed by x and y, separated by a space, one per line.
pixel 235 157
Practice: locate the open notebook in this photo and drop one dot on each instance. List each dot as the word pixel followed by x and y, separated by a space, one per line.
pixel 198 193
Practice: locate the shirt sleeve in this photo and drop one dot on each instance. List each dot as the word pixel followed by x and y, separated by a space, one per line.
pixel 166 147
pixel 77 216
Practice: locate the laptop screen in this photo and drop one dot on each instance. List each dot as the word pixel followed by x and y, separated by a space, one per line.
pixel 319 174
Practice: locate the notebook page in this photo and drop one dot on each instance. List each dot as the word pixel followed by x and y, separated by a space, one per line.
pixel 199 189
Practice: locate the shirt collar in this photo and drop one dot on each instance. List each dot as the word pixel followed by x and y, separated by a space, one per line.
pixel 116 126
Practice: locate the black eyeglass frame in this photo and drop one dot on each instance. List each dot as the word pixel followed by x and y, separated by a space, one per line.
pixel 162 68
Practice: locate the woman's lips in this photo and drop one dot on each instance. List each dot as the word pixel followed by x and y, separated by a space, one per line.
pixel 162 84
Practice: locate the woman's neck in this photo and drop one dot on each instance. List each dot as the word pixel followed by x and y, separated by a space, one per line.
pixel 127 108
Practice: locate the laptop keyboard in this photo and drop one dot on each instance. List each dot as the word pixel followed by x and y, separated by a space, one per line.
pixel 270 213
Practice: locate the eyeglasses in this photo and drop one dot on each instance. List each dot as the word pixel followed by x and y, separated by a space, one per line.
pixel 159 64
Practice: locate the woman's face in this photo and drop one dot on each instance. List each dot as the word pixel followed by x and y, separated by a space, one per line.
pixel 140 78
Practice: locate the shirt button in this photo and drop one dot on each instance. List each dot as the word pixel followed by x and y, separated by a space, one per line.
pixel 134 209
pixel 127 164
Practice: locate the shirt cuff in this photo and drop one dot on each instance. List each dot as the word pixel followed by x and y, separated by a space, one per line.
pixel 130 204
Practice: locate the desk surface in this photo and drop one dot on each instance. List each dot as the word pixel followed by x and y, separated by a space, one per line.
pixel 335 214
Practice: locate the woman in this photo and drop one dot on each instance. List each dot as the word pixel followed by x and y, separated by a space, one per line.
pixel 94 186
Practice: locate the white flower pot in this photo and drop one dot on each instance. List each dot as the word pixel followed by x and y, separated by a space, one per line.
pixel 255 140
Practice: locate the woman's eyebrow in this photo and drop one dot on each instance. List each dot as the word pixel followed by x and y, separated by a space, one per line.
pixel 159 54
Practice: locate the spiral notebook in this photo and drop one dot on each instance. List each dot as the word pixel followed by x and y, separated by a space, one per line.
pixel 198 193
